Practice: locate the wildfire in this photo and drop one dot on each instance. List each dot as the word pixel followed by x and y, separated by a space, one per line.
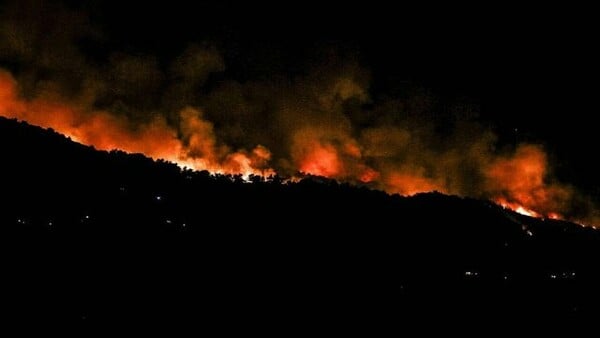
pixel 198 150
pixel 514 180
pixel 518 208
pixel 554 215
pixel 321 160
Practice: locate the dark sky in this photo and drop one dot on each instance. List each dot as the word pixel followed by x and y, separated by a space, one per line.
pixel 527 66
pixel 518 61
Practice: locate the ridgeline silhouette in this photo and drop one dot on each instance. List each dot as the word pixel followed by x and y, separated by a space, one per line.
pixel 99 237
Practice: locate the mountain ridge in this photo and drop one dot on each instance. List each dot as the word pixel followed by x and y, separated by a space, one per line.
pixel 141 237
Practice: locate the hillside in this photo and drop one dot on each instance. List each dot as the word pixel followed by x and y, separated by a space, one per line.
pixel 99 237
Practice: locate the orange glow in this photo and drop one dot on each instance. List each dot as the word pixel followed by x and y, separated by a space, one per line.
pixel 199 150
pixel 518 183
pixel 409 184
pixel 321 160
pixel 387 157
pixel 368 175
pixel 517 208
pixel 554 215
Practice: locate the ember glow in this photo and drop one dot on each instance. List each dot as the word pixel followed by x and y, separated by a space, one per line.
pixel 519 208
pixel 326 119
pixel 519 183
pixel 104 131
pixel 395 159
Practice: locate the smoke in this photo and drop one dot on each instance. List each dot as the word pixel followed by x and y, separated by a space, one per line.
pixel 322 121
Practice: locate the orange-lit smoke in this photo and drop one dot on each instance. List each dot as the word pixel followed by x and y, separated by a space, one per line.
pixel 403 161
pixel 518 182
pixel 197 149
pixel 321 120
pixel 398 158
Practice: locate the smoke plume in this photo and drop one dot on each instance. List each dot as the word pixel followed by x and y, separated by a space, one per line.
pixel 323 121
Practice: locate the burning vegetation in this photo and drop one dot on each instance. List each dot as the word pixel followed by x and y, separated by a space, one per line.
pixel 324 121
pixel 395 158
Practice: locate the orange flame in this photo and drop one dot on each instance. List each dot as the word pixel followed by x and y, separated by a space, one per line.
pixel 517 208
pixel 518 183
pixel 321 160
pixel 515 181
pixel 199 150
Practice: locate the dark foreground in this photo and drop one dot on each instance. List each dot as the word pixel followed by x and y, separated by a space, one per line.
pixel 100 238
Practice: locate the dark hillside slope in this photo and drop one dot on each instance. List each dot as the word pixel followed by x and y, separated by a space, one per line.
pixel 101 237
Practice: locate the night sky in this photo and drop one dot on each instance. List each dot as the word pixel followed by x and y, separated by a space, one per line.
pixel 523 74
